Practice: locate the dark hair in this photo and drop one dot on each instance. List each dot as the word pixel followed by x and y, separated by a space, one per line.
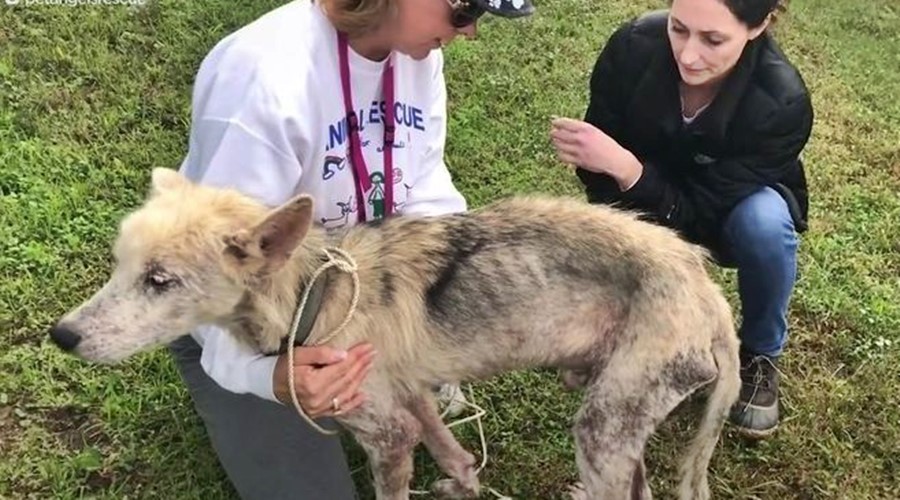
pixel 754 12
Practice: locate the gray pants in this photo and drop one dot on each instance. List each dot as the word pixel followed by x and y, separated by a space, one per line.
pixel 267 450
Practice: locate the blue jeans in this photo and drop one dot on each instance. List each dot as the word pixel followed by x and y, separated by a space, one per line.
pixel 758 238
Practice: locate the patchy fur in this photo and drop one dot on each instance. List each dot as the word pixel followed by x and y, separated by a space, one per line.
pixel 624 307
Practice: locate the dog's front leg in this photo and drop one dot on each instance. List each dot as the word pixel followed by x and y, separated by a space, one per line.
pixel 450 456
pixel 389 441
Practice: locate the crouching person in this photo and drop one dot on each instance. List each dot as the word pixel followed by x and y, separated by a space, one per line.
pixel 698 119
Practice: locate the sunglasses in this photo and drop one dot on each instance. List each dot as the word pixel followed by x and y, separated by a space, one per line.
pixel 465 13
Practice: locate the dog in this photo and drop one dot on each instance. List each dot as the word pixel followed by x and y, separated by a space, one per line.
pixel 624 308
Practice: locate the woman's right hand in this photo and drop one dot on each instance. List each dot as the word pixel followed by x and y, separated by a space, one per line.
pixel 581 144
pixel 326 380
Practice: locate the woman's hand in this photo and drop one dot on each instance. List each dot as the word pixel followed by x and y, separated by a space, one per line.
pixel 581 144
pixel 326 380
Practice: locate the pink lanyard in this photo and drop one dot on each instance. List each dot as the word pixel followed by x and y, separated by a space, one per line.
pixel 360 172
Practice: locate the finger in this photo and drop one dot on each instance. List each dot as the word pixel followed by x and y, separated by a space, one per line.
pixel 344 403
pixel 568 158
pixel 568 155
pixel 355 356
pixel 565 136
pixel 567 133
pixel 325 382
pixel 361 349
pixel 318 356
pixel 347 387
pixel 568 124
pixel 351 404
pixel 569 148
pixel 310 378
pixel 349 383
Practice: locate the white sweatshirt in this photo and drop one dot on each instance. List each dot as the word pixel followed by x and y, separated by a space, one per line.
pixel 268 119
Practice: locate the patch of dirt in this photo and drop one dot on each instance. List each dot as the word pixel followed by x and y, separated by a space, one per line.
pixel 8 429
pixel 100 480
pixel 20 340
pixel 75 427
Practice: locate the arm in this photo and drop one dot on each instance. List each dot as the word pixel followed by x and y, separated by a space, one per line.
pixel 238 140
pixel 241 138
pixel 611 174
pixel 777 141
pixel 433 192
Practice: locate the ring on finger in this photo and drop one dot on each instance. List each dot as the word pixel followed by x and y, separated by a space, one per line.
pixel 336 405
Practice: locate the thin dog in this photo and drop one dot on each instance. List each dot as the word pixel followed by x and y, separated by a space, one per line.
pixel 623 307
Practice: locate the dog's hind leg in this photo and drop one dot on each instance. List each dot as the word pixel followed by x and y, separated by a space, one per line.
pixel 622 407
pixel 450 456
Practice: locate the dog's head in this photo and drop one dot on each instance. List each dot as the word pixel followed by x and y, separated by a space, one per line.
pixel 190 256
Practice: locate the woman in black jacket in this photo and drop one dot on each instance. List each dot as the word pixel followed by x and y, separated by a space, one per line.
pixel 697 119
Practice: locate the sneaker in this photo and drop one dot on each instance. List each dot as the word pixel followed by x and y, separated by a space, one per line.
pixel 451 400
pixel 756 412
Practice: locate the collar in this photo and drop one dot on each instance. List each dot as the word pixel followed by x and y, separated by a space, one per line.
pixel 310 311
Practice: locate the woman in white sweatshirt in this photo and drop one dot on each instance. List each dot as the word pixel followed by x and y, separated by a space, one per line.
pixel 297 101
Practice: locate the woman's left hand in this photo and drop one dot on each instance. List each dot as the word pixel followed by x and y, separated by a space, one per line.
pixel 584 145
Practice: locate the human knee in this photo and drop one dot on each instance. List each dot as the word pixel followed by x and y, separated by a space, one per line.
pixel 760 228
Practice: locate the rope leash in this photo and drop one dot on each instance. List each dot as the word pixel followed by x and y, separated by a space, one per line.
pixel 476 416
pixel 344 263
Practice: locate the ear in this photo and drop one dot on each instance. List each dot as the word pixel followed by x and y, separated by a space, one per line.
pixel 759 30
pixel 166 179
pixel 274 239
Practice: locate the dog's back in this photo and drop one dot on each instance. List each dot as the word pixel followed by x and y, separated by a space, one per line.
pixel 542 281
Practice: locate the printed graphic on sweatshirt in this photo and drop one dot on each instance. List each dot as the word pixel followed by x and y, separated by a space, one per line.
pixel 344 218
pixel 376 195
pixel 332 164
pixel 397 145
pixel 405 115
pixel 399 206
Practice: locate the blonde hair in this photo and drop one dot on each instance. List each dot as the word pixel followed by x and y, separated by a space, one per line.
pixel 357 17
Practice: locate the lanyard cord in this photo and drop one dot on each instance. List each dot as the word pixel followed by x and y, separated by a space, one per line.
pixel 360 172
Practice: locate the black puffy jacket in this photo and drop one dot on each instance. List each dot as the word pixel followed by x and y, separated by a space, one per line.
pixel 749 137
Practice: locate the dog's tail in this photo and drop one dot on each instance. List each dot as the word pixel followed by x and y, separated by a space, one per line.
pixel 694 483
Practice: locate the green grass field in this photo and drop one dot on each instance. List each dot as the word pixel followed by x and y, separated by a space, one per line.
pixel 93 97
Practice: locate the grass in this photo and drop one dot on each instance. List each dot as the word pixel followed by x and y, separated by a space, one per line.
pixel 93 97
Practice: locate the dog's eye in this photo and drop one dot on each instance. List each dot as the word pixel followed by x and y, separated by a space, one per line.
pixel 159 281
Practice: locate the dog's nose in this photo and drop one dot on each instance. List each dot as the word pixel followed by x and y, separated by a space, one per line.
pixel 65 337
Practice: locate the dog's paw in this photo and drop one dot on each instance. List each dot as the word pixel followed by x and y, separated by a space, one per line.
pixel 451 489
pixel 574 379
pixel 578 492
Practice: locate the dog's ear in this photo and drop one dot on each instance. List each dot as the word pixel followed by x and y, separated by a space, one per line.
pixel 166 179
pixel 275 238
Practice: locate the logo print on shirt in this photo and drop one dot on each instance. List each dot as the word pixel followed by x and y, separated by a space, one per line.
pixel 341 220
pixel 397 145
pixel 376 195
pixel 332 164
pixel 399 206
